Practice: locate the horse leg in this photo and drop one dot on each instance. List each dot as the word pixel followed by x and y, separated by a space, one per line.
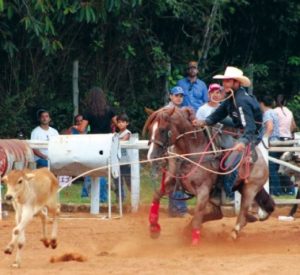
pixel 202 199
pixel 248 193
pixel 154 215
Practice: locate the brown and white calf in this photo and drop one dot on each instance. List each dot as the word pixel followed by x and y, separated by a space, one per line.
pixel 33 192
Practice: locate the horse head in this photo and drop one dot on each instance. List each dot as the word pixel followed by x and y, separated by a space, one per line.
pixel 164 126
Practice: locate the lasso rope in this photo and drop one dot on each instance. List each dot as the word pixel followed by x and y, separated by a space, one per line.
pixel 207 169
pixel 145 161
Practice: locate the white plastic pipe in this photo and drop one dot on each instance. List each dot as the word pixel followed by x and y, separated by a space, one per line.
pixel 95 194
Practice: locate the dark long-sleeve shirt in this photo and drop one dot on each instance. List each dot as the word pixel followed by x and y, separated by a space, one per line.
pixel 245 113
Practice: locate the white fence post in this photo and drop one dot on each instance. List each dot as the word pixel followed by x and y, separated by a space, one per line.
pixel 135 174
pixel 265 154
pixel 95 194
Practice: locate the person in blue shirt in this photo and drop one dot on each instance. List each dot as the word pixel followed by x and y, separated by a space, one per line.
pixel 195 90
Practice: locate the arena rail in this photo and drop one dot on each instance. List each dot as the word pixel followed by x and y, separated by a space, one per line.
pixel 134 144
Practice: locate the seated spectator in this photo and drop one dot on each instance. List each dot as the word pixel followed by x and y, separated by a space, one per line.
pixel 271 131
pixel 42 132
pixel 80 125
pixel 125 169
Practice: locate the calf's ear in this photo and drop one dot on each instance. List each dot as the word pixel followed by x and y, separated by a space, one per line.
pixel 29 176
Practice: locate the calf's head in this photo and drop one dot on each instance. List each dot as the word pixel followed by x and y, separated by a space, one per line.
pixel 16 182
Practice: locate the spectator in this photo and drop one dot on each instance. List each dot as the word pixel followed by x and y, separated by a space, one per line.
pixel 214 95
pixel 125 169
pixel 176 97
pixel 177 204
pixel 99 114
pixel 287 126
pixel 80 125
pixel 286 119
pixel 195 90
pixel 42 132
pixel 98 117
pixel 271 131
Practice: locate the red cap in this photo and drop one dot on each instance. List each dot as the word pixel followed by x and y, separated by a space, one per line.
pixel 213 87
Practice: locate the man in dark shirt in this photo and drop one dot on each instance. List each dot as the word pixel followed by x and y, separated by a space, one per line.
pixel 240 106
pixel 245 113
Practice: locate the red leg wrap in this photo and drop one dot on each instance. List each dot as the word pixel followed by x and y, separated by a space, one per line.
pixel 153 215
pixel 195 236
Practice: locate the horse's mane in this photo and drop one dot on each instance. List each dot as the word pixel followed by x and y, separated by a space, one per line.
pixel 186 112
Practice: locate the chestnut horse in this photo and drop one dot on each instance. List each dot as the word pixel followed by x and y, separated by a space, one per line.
pixel 172 128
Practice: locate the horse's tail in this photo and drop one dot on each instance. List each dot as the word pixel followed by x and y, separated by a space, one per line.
pixel 265 201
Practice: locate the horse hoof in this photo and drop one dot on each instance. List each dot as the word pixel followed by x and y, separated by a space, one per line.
pixel 53 243
pixel 154 231
pixel 234 234
pixel 8 250
pixel 45 242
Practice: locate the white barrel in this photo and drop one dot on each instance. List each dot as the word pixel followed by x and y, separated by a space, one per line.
pixel 73 155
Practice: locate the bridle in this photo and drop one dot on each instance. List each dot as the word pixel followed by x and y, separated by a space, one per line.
pixel 162 144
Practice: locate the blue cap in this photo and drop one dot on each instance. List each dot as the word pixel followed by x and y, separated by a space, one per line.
pixel 176 90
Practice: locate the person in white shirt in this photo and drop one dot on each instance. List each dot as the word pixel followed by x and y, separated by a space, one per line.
pixel 42 132
pixel 287 123
pixel 214 97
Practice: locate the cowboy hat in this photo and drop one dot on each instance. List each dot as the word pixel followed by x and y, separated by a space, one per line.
pixel 234 73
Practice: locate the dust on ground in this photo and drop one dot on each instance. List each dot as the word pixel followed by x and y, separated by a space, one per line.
pixel 123 246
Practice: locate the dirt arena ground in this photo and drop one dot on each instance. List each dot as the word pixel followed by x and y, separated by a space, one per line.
pixel 123 246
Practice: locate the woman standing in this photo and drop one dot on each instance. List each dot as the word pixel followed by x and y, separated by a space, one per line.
pixel 98 114
pixel 287 126
pixel 100 117
pixel 286 119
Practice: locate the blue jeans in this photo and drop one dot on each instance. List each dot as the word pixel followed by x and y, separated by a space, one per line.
pixel 275 187
pixel 86 188
pixel 177 207
pixel 229 180
pixel 41 163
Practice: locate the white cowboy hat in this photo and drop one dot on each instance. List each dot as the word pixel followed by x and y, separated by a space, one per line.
pixel 234 73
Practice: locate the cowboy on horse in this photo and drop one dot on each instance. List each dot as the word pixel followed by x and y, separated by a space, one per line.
pixel 172 132
pixel 244 111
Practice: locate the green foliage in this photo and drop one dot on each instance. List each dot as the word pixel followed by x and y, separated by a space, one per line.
pixel 137 49
pixel 294 60
pixel 294 106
